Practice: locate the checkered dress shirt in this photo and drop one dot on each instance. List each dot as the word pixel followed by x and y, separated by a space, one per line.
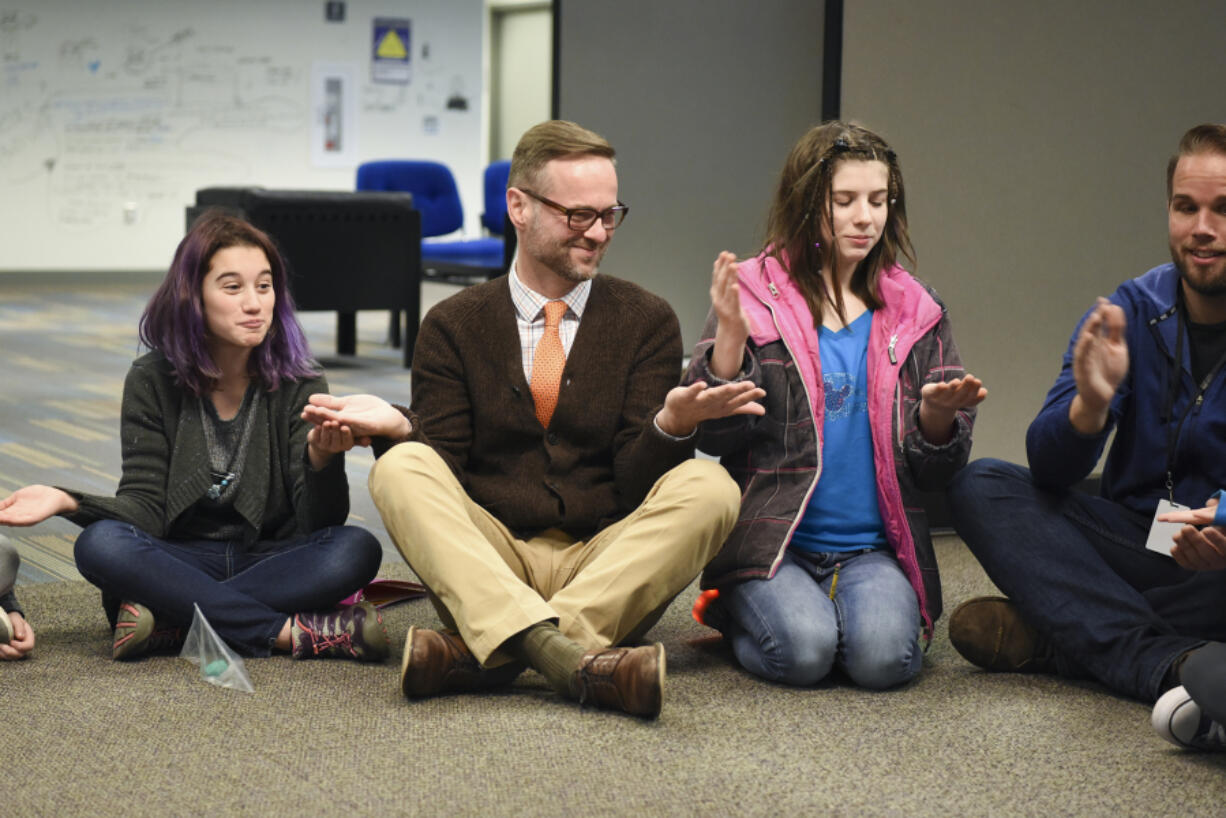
pixel 530 317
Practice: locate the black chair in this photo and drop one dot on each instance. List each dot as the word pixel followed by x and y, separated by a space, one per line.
pixel 345 251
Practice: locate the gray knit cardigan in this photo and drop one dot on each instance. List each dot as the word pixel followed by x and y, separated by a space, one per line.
pixel 166 462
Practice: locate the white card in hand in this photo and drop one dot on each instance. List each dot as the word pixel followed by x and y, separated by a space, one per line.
pixel 1162 535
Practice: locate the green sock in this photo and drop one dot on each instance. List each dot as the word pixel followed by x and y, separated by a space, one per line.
pixel 548 651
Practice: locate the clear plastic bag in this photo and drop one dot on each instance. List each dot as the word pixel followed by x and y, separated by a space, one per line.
pixel 218 664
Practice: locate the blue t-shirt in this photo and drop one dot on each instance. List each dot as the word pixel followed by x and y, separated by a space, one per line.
pixel 842 514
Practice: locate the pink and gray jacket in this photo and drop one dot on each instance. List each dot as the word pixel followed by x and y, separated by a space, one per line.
pixel 777 458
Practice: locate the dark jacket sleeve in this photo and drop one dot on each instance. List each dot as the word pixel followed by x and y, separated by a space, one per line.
pixel 320 498
pixel 641 452
pixel 141 496
pixel 932 466
pixel 8 602
pixel 722 436
pixel 439 392
pixel 1058 454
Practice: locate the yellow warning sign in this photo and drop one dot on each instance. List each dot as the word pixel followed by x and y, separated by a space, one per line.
pixel 391 47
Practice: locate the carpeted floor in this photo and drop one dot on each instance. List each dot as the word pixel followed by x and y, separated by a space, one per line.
pixel 87 736
pixel 83 735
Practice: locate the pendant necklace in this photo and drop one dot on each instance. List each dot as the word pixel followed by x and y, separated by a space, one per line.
pixel 223 479
pixel 217 488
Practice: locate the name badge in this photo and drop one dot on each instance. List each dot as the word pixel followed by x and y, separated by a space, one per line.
pixel 1162 535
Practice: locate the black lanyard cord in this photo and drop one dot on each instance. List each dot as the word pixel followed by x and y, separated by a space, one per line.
pixel 1173 383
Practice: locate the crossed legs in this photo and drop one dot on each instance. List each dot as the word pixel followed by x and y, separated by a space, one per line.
pixel 491 586
pixel 1077 569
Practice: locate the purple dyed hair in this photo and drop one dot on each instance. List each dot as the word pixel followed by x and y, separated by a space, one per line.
pixel 173 322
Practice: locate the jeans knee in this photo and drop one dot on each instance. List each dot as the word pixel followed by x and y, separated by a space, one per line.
pixel 362 548
pixel 351 555
pixel 975 485
pixel 884 664
pixel 967 477
pixel 102 546
pixel 800 657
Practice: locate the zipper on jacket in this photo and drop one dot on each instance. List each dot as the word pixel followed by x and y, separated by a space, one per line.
pixel 816 432
pixel 893 342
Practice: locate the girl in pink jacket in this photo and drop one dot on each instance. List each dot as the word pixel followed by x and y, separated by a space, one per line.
pixel 867 405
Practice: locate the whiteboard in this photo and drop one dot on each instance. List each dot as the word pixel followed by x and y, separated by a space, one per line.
pixel 113 115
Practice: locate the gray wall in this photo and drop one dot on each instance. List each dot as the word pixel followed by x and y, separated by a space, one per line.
pixel 702 101
pixel 1034 139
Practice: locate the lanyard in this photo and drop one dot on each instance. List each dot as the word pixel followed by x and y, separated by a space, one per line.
pixel 1173 432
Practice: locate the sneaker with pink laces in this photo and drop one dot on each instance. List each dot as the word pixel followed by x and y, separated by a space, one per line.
pixel 355 632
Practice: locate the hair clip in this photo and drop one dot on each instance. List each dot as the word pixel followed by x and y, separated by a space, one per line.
pixel 841 145
pixel 890 155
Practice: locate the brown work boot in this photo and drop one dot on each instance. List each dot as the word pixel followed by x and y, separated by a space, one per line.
pixel 989 632
pixel 627 679
pixel 439 662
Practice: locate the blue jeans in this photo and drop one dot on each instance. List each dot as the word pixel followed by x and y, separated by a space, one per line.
pixel 788 629
pixel 1078 570
pixel 245 591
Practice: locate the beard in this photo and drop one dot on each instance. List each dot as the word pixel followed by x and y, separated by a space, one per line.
pixel 555 255
pixel 567 268
pixel 1210 283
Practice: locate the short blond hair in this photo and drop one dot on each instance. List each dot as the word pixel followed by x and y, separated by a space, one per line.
pixel 553 139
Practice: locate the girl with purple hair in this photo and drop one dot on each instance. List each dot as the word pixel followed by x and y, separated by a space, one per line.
pixel 228 499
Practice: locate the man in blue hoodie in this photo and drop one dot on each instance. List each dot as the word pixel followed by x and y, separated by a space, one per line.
pixel 1086 597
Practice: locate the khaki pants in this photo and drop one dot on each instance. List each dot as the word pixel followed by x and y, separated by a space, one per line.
pixel 489 585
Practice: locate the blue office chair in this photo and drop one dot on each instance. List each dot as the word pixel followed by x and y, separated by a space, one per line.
pixel 468 259
pixel 435 194
pixel 433 187
pixel 437 198
pixel 494 219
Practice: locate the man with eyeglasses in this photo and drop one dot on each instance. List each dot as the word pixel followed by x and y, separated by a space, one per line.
pixel 543 485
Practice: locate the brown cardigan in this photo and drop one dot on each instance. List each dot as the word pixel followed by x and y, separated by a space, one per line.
pixel 602 450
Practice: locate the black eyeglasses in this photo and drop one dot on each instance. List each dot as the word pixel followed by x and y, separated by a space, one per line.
pixel 580 219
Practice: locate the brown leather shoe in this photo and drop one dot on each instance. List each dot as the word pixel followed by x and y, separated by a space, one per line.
pixel 989 632
pixel 439 662
pixel 628 679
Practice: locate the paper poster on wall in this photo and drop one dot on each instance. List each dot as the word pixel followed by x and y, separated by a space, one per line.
pixel 390 51
pixel 334 119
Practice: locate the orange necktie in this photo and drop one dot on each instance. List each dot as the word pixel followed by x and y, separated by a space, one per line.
pixel 547 363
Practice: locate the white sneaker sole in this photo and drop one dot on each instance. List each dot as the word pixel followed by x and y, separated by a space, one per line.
pixel 1175 716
